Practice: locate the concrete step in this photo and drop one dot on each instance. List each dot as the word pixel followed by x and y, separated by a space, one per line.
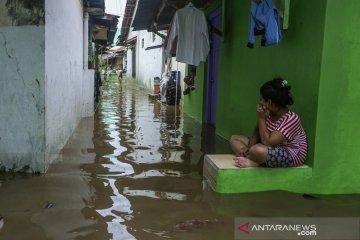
pixel 224 177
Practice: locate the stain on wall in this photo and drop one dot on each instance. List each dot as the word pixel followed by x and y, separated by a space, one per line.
pixel 22 12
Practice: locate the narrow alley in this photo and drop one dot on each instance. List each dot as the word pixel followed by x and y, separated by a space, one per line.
pixel 134 172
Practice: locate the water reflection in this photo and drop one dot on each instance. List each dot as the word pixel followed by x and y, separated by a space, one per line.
pixel 134 172
pixel 120 206
pixel 158 173
pixel 155 194
pixel 142 149
pixel 112 129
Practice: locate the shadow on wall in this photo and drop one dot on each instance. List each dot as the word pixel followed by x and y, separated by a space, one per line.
pixel 22 12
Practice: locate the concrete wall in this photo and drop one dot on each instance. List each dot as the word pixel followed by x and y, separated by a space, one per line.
pixel 129 65
pixel 87 103
pixel 22 98
pixel 44 90
pixel 150 61
pixel 68 88
pixel 22 114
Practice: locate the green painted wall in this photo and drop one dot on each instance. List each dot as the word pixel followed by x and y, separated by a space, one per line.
pixel 319 56
pixel 193 103
pixel 337 149
pixel 243 70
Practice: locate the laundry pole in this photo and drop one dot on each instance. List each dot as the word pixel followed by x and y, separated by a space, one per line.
pixel 176 93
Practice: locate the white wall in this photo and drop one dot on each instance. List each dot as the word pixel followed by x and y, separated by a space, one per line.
pixel 129 67
pixel 44 90
pixel 87 104
pixel 150 62
pixel 68 88
pixel 22 98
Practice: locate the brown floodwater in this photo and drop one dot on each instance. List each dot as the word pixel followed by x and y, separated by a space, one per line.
pixel 134 171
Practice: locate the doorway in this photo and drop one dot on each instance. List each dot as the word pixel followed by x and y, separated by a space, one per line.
pixel 212 73
pixel 133 62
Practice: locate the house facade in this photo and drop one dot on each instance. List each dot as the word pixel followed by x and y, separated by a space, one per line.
pixel 318 55
pixel 46 84
pixel 145 58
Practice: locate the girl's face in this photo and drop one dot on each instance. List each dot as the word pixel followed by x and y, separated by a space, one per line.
pixel 263 103
pixel 267 105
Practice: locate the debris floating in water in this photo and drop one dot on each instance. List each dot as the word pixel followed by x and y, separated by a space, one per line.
pixel 49 205
pixel 188 225
pixel 1 222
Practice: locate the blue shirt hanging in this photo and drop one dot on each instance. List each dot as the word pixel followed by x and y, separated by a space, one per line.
pixel 265 21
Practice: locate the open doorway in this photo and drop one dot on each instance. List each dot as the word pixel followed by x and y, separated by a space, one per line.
pixel 209 128
pixel 212 74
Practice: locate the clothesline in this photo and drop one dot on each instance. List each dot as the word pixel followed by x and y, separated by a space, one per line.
pixel 189 26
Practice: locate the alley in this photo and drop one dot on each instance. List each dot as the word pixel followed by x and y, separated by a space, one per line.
pixel 134 171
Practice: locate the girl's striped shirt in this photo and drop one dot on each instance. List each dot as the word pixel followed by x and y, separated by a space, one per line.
pixel 290 126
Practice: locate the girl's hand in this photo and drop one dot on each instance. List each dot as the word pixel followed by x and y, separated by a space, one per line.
pixel 262 111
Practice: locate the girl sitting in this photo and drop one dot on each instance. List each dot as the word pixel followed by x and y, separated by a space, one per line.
pixel 279 139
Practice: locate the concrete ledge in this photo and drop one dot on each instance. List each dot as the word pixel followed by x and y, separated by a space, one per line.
pixel 224 177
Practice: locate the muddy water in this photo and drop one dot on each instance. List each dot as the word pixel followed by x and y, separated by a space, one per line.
pixel 134 172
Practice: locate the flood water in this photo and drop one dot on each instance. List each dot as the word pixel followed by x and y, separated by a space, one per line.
pixel 134 171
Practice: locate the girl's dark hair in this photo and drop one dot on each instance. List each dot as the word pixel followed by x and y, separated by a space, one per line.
pixel 278 91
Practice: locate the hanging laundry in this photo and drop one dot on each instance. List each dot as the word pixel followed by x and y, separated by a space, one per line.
pixel 189 25
pixel 172 52
pixel 265 21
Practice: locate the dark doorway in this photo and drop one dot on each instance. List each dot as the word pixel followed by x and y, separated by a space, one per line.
pixel 133 51
pixel 213 62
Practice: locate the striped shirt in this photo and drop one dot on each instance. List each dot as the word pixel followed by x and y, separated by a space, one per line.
pixel 290 126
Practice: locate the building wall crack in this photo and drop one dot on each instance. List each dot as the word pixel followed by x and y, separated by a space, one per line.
pixel 18 70
pixel 5 43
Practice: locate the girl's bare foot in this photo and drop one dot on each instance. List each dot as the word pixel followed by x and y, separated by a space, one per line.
pixel 243 162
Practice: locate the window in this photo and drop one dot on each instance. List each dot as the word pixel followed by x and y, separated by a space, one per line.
pixel 142 43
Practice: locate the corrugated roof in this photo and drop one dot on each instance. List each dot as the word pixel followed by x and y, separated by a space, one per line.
pixel 145 14
pixel 95 3
pixel 159 12
pixel 149 12
pixel 127 19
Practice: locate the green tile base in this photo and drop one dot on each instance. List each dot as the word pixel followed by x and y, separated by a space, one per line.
pixel 224 177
